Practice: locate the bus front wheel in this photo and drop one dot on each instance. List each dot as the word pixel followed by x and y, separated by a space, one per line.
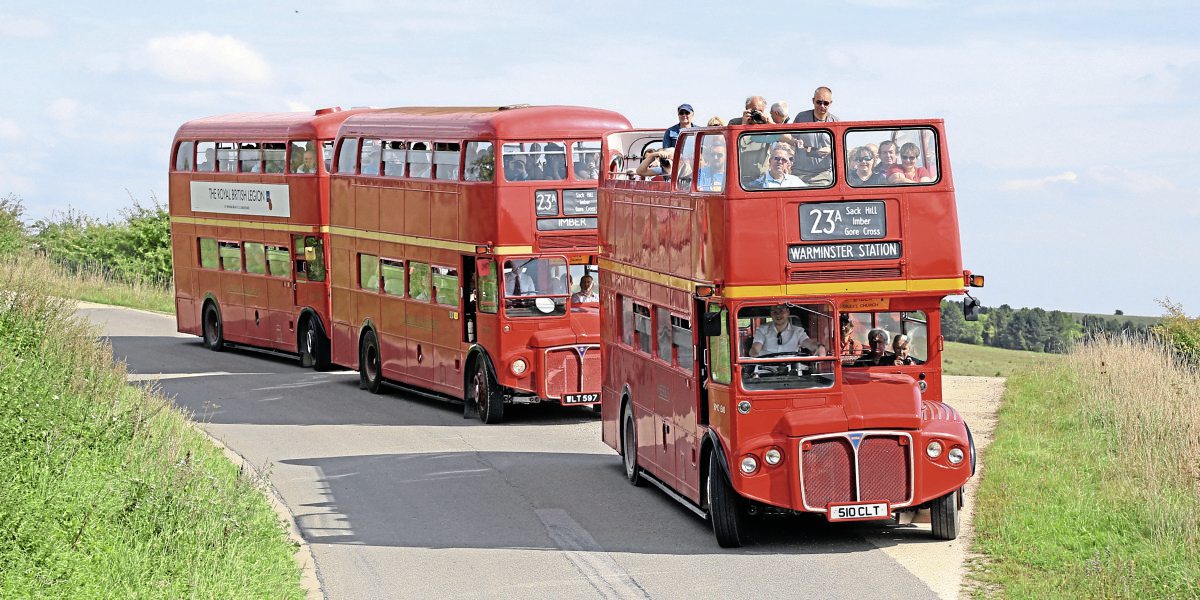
pixel 944 516
pixel 629 446
pixel 214 336
pixel 489 401
pixel 724 508
pixel 370 377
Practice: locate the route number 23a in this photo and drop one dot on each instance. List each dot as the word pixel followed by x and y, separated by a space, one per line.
pixel 824 220
pixel 547 203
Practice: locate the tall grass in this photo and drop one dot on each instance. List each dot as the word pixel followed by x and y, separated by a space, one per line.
pixel 106 491
pixel 1092 486
pixel 93 283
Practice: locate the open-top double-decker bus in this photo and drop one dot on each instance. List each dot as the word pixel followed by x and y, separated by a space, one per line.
pixel 249 206
pixel 460 238
pixel 770 339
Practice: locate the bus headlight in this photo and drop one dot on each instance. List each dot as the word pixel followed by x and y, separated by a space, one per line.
pixel 934 449
pixel 773 456
pixel 749 464
pixel 518 366
pixel 955 455
pixel 744 406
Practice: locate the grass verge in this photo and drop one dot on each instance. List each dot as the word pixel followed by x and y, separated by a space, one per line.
pixel 970 359
pixel 107 492
pixel 92 285
pixel 1092 485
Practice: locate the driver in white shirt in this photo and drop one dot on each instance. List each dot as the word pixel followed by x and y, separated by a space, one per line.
pixel 783 336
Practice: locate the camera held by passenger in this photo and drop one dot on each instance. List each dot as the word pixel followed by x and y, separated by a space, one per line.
pixel 757 118
pixel 665 163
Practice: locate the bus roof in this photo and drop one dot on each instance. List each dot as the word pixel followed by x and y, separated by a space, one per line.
pixel 320 124
pixel 504 122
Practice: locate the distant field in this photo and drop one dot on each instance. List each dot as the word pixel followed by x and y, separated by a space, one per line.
pixel 1121 318
pixel 969 359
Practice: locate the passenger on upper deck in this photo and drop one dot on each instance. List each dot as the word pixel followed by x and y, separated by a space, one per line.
pixel 783 336
pixel 779 112
pixel 308 162
pixel 588 166
pixel 900 355
pixel 656 165
pixel 685 120
pixel 536 165
pixel 755 113
pixel 860 170
pixel 716 122
pixel 908 171
pixel 514 168
pixel 888 157
pixel 556 162
pixel 778 173
pixel 711 176
pixel 209 162
pixel 877 354
pixel 587 292
pixel 822 98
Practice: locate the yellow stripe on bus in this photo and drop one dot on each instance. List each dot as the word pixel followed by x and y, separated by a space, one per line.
pixel 259 225
pixel 397 238
pixel 670 281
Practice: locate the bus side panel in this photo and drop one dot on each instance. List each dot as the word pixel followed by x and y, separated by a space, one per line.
pixel 184 246
pixel 392 311
pixel 233 306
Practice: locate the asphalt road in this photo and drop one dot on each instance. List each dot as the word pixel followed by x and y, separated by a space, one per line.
pixel 400 497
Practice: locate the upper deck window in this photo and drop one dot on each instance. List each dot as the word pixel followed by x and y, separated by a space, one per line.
pixel 713 166
pixel 183 156
pixel 249 157
pixel 395 157
pixel 686 157
pixel 370 157
pixel 480 162
pixel 586 157
pixel 304 157
pixel 274 157
pixel 900 156
pixel 227 157
pixel 445 160
pixel 420 160
pixel 347 156
pixel 535 161
pixel 206 156
pixel 785 159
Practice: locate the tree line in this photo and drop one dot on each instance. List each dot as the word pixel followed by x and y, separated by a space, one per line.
pixel 1033 329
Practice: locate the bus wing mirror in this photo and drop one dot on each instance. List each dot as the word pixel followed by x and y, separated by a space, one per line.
pixel 712 324
pixel 971 309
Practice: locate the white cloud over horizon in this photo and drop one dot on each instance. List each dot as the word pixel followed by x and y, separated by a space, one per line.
pixel 204 58
pixel 22 27
pixel 1041 182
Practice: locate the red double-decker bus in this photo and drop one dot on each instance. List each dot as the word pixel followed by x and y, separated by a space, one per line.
pixel 463 252
pixel 249 209
pixel 770 339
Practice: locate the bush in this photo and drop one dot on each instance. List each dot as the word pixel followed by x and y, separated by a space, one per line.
pixel 13 236
pixel 1179 332
pixel 136 249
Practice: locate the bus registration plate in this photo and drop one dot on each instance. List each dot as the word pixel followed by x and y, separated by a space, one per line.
pixel 580 398
pixel 859 511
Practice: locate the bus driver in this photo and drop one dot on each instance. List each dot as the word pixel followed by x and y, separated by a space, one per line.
pixel 783 336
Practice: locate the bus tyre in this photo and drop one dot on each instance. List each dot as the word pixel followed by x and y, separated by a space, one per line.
pixel 370 377
pixel 214 336
pixel 488 399
pixel 629 446
pixel 314 348
pixel 724 508
pixel 944 516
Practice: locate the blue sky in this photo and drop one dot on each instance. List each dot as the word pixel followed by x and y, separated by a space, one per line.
pixel 1070 123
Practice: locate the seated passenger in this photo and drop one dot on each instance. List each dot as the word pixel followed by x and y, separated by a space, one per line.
pixel 861 171
pixel 514 169
pixel 308 162
pixel 711 176
pixel 588 166
pixel 555 168
pixel 908 171
pixel 900 355
pixel 783 336
pixel 877 354
pixel 851 348
pixel 536 165
pixel 587 292
pixel 778 173
pixel 656 166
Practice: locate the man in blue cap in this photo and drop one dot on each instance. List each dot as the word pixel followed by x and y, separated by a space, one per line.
pixel 685 120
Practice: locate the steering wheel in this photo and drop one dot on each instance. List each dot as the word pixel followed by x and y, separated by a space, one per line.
pixel 777 369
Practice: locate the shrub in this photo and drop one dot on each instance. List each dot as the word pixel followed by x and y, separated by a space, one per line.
pixel 13 236
pixel 1179 332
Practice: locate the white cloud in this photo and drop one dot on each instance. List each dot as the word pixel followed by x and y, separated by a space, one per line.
pixel 10 131
pixel 297 106
pixel 1041 182
pixel 22 27
pixel 206 58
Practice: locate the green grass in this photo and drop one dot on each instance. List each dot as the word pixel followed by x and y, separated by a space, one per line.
pixel 1091 488
pixel 94 286
pixel 970 359
pixel 107 491
pixel 1120 319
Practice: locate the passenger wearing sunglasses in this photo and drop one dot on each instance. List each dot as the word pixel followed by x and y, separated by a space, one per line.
pixel 685 120
pixel 779 169
pixel 861 170
pixel 783 336
pixel 908 171
pixel 822 98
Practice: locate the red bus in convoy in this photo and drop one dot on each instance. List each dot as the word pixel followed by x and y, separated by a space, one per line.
pixel 770 340
pixel 460 239
pixel 249 206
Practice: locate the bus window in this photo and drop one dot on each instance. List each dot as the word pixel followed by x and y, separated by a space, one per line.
pixel 279 263
pixel 420 160
pixel 899 156
pixel 392 272
pixel 585 293
pixel 395 156
pixel 489 293
pixel 480 162
pixel 719 347
pixel 226 157
pixel 792 159
pixel 347 156
pixel 418 281
pixel 586 157
pixel 445 286
pixel 274 157
pixel 310 257
pixel 368 272
pixel 299 162
pixel 534 287
pixel 641 327
pixel 627 321
pixel 183 156
pixel 685 169
pixel 249 158
pixel 256 258
pixel 327 153
pixel 681 339
pixel 445 160
pixel 539 161
pixel 209 257
pixel 206 156
pixel 231 256
pixel 885 339
pixel 711 175
pixel 369 164
pixel 665 349
pixel 772 350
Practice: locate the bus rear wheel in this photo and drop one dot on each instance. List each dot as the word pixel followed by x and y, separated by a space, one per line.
pixel 370 377
pixel 944 516
pixel 629 447
pixel 724 506
pixel 214 336
pixel 488 399
pixel 314 347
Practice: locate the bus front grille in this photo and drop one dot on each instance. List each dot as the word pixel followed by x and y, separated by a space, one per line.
pixel 833 470
pixel 572 370
pixel 883 469
pixel 828 472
